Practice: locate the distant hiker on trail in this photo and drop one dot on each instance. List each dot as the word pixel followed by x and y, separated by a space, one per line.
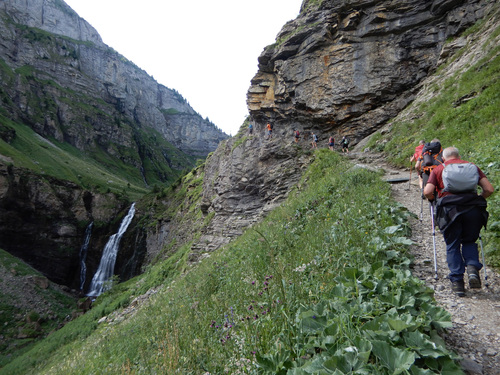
pixel 461 213
pixel 431 157
pixel 269 130
pixel 314 142
pixel 297 136
pixel 331 143
pixel 418 151
pixel 415 157
pixel 345 144
pixel 250 129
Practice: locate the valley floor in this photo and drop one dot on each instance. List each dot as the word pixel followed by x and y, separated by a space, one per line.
pixel 476 317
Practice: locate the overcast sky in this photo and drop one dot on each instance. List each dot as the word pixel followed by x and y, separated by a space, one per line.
pixel 206 50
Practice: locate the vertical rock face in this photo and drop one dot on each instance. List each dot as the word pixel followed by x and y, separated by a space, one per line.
pixel 52 16
pixel 340 68
pixel 42 221
pixel 346 67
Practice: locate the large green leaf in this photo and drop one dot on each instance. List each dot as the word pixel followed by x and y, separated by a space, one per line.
pixel 394 359
pixel 423 346
pixel 440 318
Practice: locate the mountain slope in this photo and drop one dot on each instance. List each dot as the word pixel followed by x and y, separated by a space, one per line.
pixel 62 81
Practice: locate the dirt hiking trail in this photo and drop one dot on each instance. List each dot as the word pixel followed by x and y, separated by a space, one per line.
pixel 475 334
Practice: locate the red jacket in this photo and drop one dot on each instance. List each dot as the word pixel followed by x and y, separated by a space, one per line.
pixel 418 152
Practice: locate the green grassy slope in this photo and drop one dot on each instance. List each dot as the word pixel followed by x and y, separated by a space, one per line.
pixel 28 150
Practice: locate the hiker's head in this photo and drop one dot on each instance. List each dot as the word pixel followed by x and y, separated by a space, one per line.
pixel 422 142
pixel 450 153
pixel 435 140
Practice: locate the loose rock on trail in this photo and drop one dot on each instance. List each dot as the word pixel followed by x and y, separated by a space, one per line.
pixel 475 334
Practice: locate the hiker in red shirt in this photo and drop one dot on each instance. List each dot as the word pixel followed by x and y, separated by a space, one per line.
pixel 460 215
pixel 415 157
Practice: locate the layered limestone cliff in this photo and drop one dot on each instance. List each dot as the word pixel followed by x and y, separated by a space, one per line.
pixel 346 67
pixel 341 68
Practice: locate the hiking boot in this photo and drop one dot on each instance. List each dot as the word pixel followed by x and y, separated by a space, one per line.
pixel 458 287
pixel 474 279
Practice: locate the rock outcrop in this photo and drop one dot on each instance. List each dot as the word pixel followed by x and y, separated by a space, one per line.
pixel 346 67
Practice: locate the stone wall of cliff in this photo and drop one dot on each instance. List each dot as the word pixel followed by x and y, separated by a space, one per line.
pixel 43 221
pixel 346 67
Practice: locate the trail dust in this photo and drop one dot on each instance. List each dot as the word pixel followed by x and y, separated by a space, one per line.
pixel 475 334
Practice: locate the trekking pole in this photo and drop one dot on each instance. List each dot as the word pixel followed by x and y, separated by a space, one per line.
pixel 422 206
pixel 434 240
pixel 484 264
pixel 409 182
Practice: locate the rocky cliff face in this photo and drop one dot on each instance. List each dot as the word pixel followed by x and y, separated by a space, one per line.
pixel 43 221
pixel 341 68
pixel 346 67
pixel 62 80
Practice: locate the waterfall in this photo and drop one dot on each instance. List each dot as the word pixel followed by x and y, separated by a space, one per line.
pixel 83 254
pixel 107 264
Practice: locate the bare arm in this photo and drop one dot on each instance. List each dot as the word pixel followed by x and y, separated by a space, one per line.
pixel 429 191
pixel 487 187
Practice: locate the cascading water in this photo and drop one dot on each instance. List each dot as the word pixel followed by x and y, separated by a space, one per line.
pixel 83 254
pixel 108 259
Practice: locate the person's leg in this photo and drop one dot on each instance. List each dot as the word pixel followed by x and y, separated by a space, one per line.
pixel 472 223
pixel 452 238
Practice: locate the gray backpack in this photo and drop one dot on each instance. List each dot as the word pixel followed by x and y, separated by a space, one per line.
pixel 460 178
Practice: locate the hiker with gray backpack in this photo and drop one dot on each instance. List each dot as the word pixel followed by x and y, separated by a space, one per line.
pixel 460 215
